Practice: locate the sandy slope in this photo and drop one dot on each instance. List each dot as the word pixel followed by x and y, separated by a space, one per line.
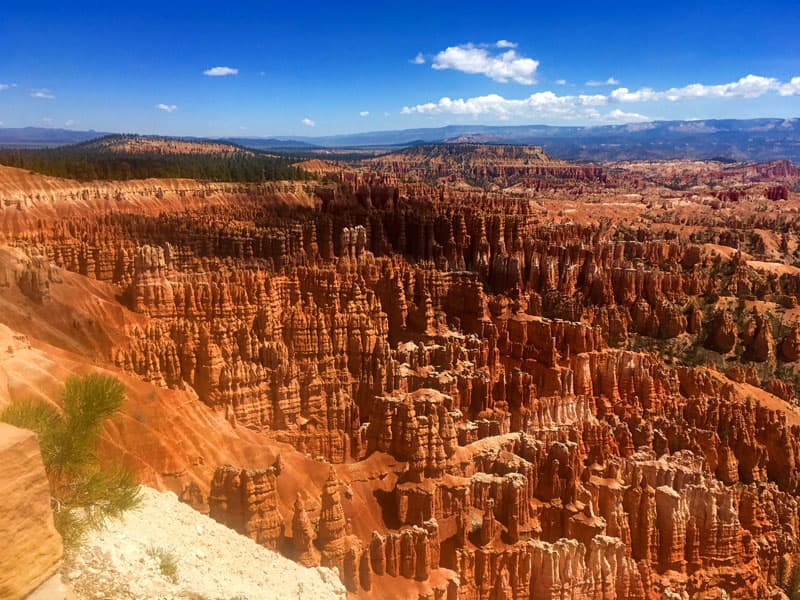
pixel 212 561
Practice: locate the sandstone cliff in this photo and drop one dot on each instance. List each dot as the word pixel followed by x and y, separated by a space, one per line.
pixel 31 552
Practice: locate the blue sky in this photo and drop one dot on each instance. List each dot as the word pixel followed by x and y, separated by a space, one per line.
pixel 307 68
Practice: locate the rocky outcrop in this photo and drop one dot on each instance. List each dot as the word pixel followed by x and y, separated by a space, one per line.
pixel 721 333
pixel 35 277
pixel 32 549
pixel 246 500
pixel 790 346
pixel 482 164
pixel 757 339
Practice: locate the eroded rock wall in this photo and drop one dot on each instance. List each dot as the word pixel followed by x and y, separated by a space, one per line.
pixel 513 405
pixel 32 550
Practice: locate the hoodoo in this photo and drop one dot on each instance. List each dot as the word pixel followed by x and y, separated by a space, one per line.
pixel 531 333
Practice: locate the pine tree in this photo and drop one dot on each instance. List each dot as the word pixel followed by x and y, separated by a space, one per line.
pixel 83 492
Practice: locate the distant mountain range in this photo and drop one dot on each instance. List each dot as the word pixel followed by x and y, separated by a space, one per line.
pixel 751 139
pixel 257 143
pixel 38 137
pixel 741 140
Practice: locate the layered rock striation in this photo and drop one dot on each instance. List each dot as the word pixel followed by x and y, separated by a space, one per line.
pixel 505 400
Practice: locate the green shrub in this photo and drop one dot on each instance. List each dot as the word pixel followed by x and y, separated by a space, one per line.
pixel 167 562
pixel 83 492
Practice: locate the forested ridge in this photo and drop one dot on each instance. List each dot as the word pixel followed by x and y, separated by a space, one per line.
pixel 95 161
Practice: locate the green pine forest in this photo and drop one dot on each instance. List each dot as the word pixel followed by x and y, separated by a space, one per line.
pixel 86 162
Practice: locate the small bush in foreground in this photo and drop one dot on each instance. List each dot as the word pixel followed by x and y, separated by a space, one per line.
pixel 167 562
pixel 82 492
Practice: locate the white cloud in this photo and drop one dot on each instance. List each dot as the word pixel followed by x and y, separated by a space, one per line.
pixel 625 117
pixel 47 120
pixel 790 89
pixel 561 82
pixel 43 94
pixel 308 122
pixel 596 83
pixel 750 86
pixel 585 107
pixel 625 95
pixel 363 113
pixel 505 44
pixel 418 59
pixel 170 108
pixel 69 123
pixel 7 86
pixel 540 104
pixel 476 60
pixel 220 71
pixel 386 114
